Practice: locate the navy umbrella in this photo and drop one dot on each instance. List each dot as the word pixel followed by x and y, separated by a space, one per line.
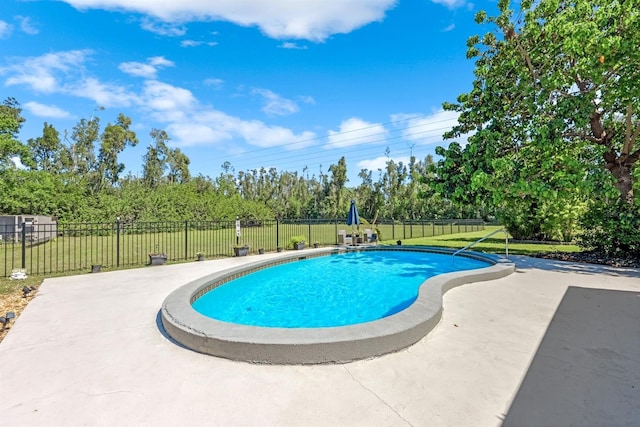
pixel 353 217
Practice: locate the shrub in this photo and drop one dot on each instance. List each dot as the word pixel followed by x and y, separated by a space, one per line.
pixel 613 229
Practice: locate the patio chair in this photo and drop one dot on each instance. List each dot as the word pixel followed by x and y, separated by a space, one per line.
pixel 371 236
pixel 344 238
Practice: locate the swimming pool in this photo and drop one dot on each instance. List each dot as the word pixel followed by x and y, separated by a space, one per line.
pixel 337 290
pixel 327 344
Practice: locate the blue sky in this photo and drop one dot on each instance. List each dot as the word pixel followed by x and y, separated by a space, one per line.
pixel 281 83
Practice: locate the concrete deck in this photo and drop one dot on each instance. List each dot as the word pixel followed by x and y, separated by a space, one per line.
pixel 552 344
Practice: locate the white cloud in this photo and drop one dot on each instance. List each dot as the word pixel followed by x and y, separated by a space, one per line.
pixel 449 28
pixel 311 19
pixel 426 129
pixel 26 26
pixel 187 120
pixel 195 43
pixel 160 61
pixel 290 45
pixel 207 126
pixel 167 98
pixel 355 131
pixel 5 30
pixel 451 4
pixel 258 134
pixel 217 83
pixel 307 100
pixel 187 134
pixel 50 111
pixel 148 70
pixel 138 69
pixel 274 104
pixel 44 73
pixel 104 94
pixel 65 73
pixel 162 28
pixel 381 162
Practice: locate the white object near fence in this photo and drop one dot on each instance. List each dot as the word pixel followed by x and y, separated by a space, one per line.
pixel 18 274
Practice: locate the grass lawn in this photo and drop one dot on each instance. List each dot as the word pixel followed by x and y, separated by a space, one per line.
pixel 494 244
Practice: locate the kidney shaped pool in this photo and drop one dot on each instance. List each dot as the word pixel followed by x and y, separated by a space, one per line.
pixel 321 305
pixel 338 290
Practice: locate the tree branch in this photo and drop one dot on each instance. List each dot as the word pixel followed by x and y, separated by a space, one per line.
pixel 626 147
pixel 633 158
pixel 584 136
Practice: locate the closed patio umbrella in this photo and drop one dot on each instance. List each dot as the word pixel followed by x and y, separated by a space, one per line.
pixel 353 217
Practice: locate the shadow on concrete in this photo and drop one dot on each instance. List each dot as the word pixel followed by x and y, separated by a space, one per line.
pixel 164 333
pixel 586 371
pixel 526 263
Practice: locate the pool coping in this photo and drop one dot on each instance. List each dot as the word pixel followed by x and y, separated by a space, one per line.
pixel 316 345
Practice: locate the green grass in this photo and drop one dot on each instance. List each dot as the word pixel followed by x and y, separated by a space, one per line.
pixel 494 244
pixel 9 286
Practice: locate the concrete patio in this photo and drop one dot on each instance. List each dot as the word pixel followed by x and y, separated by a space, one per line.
pixel 553 344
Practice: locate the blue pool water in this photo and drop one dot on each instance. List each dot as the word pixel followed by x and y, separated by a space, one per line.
pixel 327 291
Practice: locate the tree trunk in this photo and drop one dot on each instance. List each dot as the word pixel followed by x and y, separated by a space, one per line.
pixel 624 182
pixel 622 172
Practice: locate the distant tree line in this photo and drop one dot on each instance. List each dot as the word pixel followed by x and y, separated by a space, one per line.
pixel 76 176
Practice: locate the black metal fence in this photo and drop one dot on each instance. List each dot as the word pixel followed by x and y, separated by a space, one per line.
pixel 48 249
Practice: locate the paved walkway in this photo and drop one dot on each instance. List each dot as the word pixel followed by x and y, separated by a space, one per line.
pixel 552 344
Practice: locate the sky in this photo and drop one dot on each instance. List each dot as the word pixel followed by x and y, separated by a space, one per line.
pixel 288 84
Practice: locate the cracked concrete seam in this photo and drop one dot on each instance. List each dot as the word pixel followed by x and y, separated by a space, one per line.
pixel 376 395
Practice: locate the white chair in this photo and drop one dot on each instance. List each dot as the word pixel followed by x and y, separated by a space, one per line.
pixel 343 239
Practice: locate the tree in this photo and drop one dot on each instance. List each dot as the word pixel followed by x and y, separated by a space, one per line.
pixel 10 124
pixel 114 140
pixel 178 166
pixel 46 150
pixel 155 159
pixel 559 73
pixel 337 186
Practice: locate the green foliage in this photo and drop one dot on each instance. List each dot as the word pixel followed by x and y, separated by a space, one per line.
pixel 613 229
pixel 555 102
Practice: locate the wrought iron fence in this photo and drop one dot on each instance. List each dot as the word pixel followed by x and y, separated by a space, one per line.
pixel 47 249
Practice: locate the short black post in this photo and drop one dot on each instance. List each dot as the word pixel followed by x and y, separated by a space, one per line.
pixel 118 242
pixel 24 245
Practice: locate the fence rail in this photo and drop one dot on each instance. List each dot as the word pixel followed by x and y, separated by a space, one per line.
pixel 46 249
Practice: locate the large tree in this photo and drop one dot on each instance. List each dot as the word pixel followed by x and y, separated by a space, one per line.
pixel 559 73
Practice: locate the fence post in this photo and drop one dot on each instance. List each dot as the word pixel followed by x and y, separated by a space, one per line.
pixel 310 238
pixel 186 238
pixel 277 233
pixel 118 242
pixel 24 246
